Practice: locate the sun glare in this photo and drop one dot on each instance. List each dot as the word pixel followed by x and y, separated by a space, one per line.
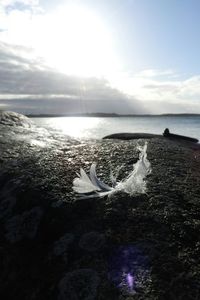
pixel 75 41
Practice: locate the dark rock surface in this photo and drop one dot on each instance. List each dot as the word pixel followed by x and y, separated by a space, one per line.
pixel 132 136
pixel 10 118
pixel 55 246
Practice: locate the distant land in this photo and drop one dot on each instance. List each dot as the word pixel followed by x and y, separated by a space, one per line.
pixel 113 115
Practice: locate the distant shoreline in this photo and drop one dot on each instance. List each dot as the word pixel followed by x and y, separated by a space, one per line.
pixel 111 115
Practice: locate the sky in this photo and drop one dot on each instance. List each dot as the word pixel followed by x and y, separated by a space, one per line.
pixel 84 56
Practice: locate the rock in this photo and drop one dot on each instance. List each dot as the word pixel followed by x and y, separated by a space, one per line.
pixel 8 201
pixel 56 246
pixel 92 241
pixel 129 269
pixel 79 285
pixel 10 118
pixel 61 246
pixel 24 225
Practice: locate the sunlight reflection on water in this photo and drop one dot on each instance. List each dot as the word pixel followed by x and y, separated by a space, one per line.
pixel 77 127
pixel 98 127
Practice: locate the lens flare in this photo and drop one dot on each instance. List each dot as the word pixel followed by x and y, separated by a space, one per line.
pixel 129 269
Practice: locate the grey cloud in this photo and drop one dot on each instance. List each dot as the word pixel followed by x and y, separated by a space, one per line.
pixel 22 76
pixel 70 106
pixel 51 90
pixel 159 86
pixel 163 107
pixel 21 5
pixel 17 6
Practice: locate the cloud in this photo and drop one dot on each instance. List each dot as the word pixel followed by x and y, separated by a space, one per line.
pixel 27 84
pixel 177 90
pixel 150 73
pixel 163 91
pixel 10 5
pixel 69 106
pixel 20 75
pixel 18 20
pixel 70 38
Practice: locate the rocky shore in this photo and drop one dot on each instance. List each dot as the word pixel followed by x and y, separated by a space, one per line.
pixel 55 246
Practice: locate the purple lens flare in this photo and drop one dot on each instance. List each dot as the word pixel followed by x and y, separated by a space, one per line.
pixel 130 281
pixel 129 268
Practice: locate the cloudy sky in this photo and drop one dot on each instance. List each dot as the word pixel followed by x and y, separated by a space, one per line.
pixel 130 56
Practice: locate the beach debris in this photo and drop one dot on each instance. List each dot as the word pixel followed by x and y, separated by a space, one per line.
pixel 90 186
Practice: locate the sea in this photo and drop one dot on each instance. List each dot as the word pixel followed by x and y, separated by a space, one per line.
pixel 98 127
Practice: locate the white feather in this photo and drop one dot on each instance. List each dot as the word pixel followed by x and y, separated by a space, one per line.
pixel 96 181
pixel 83 184
pixel 134 183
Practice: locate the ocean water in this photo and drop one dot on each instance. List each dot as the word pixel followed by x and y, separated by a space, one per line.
pixel 98 127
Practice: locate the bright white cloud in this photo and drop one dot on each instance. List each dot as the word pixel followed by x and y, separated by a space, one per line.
pixel 72 39
pixel 16 20
pixel 191 88
pixel 161 91
pixel 5 3
pixel 151 73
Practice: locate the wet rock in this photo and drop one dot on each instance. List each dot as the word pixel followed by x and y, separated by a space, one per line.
pixel 10 118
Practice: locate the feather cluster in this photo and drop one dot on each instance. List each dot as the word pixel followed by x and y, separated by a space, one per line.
pixel 90 186
pixel 84 184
